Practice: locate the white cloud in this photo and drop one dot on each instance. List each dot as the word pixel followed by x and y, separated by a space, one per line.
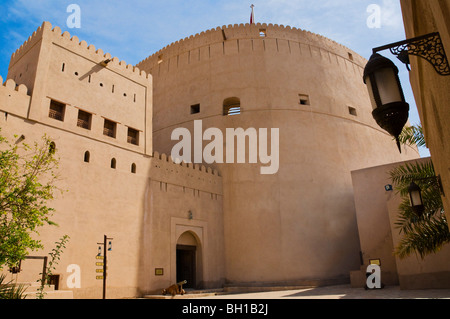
pixel 391 15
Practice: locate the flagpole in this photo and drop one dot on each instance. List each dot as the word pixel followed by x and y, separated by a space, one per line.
pixel 252 15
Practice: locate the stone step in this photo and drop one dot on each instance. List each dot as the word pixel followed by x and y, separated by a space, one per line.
pixel 34 286
pixel 190 293
pixel 252 289
pixel 54 294
pixel 31 291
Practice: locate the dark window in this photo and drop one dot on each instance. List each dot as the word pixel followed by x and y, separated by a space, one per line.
pixel 232 106
pixel 87 156
pixel 109 128
pixel 56 110
pixel 113 163
pixel 84 119
pixel 133 168
pixel 133 136
pixel 52 148
pixel 195 109
pixel 352 111
pixel 304 99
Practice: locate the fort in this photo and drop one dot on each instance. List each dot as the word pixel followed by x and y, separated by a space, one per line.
pixel 255 142
pixel 212 224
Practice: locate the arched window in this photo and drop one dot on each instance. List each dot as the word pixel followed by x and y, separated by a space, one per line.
pixel 232 106
pixel 87 156
pixel 52 148
pixel 113 163
pixel 133 168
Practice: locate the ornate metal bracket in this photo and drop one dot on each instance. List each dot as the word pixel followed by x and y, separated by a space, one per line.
pixel 428 46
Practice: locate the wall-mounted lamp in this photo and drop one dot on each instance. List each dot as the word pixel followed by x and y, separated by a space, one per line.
pixel 415 197
pixel 99 253
pixel 109 246
pixel 105 62
pixel 390 109
pixel 415 193
pixel 190 215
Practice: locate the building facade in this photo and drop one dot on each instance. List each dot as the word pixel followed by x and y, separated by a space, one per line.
pixel 431 90
pixel 211 223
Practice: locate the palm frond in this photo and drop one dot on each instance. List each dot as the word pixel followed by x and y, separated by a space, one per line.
pixel 412 135
pixel 423 234
pixel 9 290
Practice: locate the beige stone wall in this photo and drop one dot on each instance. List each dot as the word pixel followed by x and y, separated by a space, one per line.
pixel 299 224
pixel 377 214
pixel 431 90
pixel 182 198
pixel 145 211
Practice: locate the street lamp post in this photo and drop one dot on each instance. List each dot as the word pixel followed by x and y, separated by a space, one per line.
pixel 106 247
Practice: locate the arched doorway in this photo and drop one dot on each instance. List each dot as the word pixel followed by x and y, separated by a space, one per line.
pixel 186 259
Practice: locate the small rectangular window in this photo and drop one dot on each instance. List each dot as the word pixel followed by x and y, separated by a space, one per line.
pixel 133 136
pixel 109 128
pixel 303 99
pixel 352 111
pixel 56 110
pixel 195 109
pixel 84 119
pixel 262 33
pixel 160 59
pixel 350 56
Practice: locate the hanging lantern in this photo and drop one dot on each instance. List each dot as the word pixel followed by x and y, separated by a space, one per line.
pixel 390 110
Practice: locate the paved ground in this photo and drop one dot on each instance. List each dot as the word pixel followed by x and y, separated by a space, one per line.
pixel 341 292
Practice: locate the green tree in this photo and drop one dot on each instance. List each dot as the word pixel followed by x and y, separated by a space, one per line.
pixel 27 183
pixel 428 233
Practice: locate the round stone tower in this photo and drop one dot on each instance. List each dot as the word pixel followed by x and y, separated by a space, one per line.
pixel 297 225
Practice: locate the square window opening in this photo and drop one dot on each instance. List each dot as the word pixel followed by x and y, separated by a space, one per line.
pixel 352 111
pixel 109 128
pixel 133 136
pixel 84 120
pixel 56 110
pixel 303 99
pixel 195 109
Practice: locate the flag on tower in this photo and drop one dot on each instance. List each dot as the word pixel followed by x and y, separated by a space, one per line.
pixel 252 15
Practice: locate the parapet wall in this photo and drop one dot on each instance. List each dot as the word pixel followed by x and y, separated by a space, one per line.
pixel 80 47
pixel 248 32
pixel 14 98
pixel 188 175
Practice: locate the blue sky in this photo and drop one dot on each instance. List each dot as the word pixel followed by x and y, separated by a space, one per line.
pixel 135 29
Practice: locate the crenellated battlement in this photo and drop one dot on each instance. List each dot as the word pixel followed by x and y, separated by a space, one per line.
pixel 200 168
pixel 13 87
pixel 249 31
pixel 64 39
pixel 14 98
